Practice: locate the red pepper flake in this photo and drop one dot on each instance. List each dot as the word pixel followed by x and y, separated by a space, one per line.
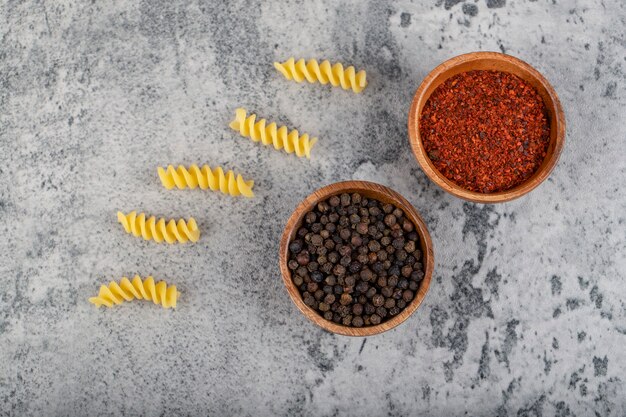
pixel 486 131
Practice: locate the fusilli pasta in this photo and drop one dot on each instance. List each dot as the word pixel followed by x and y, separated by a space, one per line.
pixel 205 177
pixel 159 230
pixel 281 138
pixel 323 73
pixel 126 290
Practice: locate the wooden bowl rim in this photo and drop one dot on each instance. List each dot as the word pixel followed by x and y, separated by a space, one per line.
pixel 370 190
pixel 438 178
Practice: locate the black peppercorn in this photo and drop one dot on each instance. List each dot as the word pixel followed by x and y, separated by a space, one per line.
pixel 345 299
pixel 302 271
pixel 377 267
pixel 362 287
pixel 303 258
pixel 317 276
pixel 295 246
pixel 339 270
pixel 367 275
pixel 345 250
pixel 392 281
pixel 387 291
pixel 390 220
pixel 403 283
pixel 310 217
pixel 362 228
pixel 355 266
pixel 343 310
pixel 401 255
pixel 350 280
pixel 308 299
pixel 355 260
pixel 378 300
pixel 417 275
pixel 372 258
pixel 398 243
pixel 406 271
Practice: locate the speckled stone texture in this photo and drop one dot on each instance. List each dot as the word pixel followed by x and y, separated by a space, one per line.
pixel 525 315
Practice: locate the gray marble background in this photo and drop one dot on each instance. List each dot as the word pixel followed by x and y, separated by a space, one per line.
pixel 525 315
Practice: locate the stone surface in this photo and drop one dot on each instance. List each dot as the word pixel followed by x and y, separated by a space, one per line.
pixel 525 315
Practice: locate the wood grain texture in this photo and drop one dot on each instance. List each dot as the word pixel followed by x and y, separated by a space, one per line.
pixel 498 62
pixel 369 190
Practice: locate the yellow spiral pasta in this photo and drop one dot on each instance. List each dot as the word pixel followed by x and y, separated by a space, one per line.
pixel 159 230
pixel 204 177
pixel 126 290
pixel 270 134
pixel 323 73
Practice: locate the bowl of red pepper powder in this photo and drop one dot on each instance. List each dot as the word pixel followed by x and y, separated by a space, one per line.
pixel 486 127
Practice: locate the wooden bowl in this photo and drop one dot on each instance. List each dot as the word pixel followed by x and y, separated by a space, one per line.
pixel 488 61
pixel 369 190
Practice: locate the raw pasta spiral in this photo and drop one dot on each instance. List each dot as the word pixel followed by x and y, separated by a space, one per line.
pixel 324 73
pixel 159 230
pixel 126 290
pixel 270 134
pixel 204 177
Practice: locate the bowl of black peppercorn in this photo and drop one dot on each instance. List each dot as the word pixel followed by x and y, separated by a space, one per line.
pixel 356 258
